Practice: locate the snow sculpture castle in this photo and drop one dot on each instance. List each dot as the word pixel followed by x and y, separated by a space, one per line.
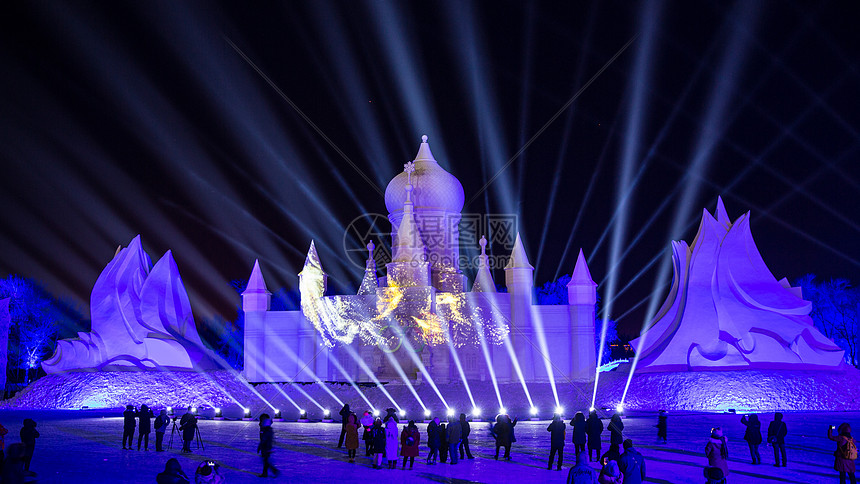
pixel 726 310
pixel 419 320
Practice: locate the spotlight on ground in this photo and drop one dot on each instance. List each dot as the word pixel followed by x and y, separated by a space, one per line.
pixel 619 408
pixel 427 412
pixel 476 412
pixel 376 413
pixel 278 413
pixel 533 411
pixel 402 413
pixel 559 410
pixel 303 415
pixel 450 412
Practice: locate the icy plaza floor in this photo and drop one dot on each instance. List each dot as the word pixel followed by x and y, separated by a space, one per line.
pixel 78 447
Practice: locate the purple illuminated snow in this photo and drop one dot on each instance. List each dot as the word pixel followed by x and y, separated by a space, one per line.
pixel 726 310
pixel 141 318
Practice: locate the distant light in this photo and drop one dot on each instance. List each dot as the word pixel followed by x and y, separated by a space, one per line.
pixel 402 413
pixel 450 412
pixel 591 409
pixel 503 411
pixel 217 410
pixel 169 409
pixel 559 410
pixel 619 408
pixel 376 413
pixel 247 411
pixel 302 411
pixel 533 411
pixel 426 412
pixel 476 412
pixel 277 412
pixel 193 409
pixel 326 412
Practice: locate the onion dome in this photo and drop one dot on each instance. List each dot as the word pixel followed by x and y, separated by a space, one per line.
pixel 435 188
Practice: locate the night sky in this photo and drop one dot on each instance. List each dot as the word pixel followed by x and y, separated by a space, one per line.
pixel 126 118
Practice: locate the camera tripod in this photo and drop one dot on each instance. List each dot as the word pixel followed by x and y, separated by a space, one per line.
pixel 175 429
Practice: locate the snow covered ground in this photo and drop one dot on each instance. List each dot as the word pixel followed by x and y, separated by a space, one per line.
pixel 85 447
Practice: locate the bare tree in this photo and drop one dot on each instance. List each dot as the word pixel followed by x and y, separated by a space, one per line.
pixel 835 312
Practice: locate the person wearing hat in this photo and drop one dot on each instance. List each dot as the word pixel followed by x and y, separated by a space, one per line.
pixel 717 451
pixel 581 473
pixel 611 474
pixel 188 426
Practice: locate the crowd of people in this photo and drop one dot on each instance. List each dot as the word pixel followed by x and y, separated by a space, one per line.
pixel 386 444
pixel 142 420
pixel 448 440
pixel 383 441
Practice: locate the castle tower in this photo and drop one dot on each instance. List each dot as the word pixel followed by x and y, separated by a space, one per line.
pixel 256 300
pixel 582 296
pixel 313 282
pixel 437 201
pixel 519 279
pixel 483 279
pixel 409 266
pixel 370 282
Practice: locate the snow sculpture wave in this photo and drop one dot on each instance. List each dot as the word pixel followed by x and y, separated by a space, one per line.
pixel 141 318
pixel 726 310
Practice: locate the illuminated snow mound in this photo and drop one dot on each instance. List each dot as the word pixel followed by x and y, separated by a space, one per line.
pixel 141 318
pixel 116 389
pixel 754 390
pixel 726 310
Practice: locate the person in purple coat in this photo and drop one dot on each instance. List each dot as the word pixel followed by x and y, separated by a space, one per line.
pixel 717 451
pixel 846 452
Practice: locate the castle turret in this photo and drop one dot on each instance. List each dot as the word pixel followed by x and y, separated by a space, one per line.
pixel 256 297
pixel 409 266
pixel 483 279
pixel 370 283
pixel 519 279
pixel 435 204
pixel 313 281
pixel 256 300
pixel 582 296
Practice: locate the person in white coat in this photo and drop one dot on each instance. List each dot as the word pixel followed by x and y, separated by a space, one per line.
pixel 392 438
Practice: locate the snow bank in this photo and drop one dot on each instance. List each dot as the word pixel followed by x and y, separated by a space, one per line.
pixel 701 391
